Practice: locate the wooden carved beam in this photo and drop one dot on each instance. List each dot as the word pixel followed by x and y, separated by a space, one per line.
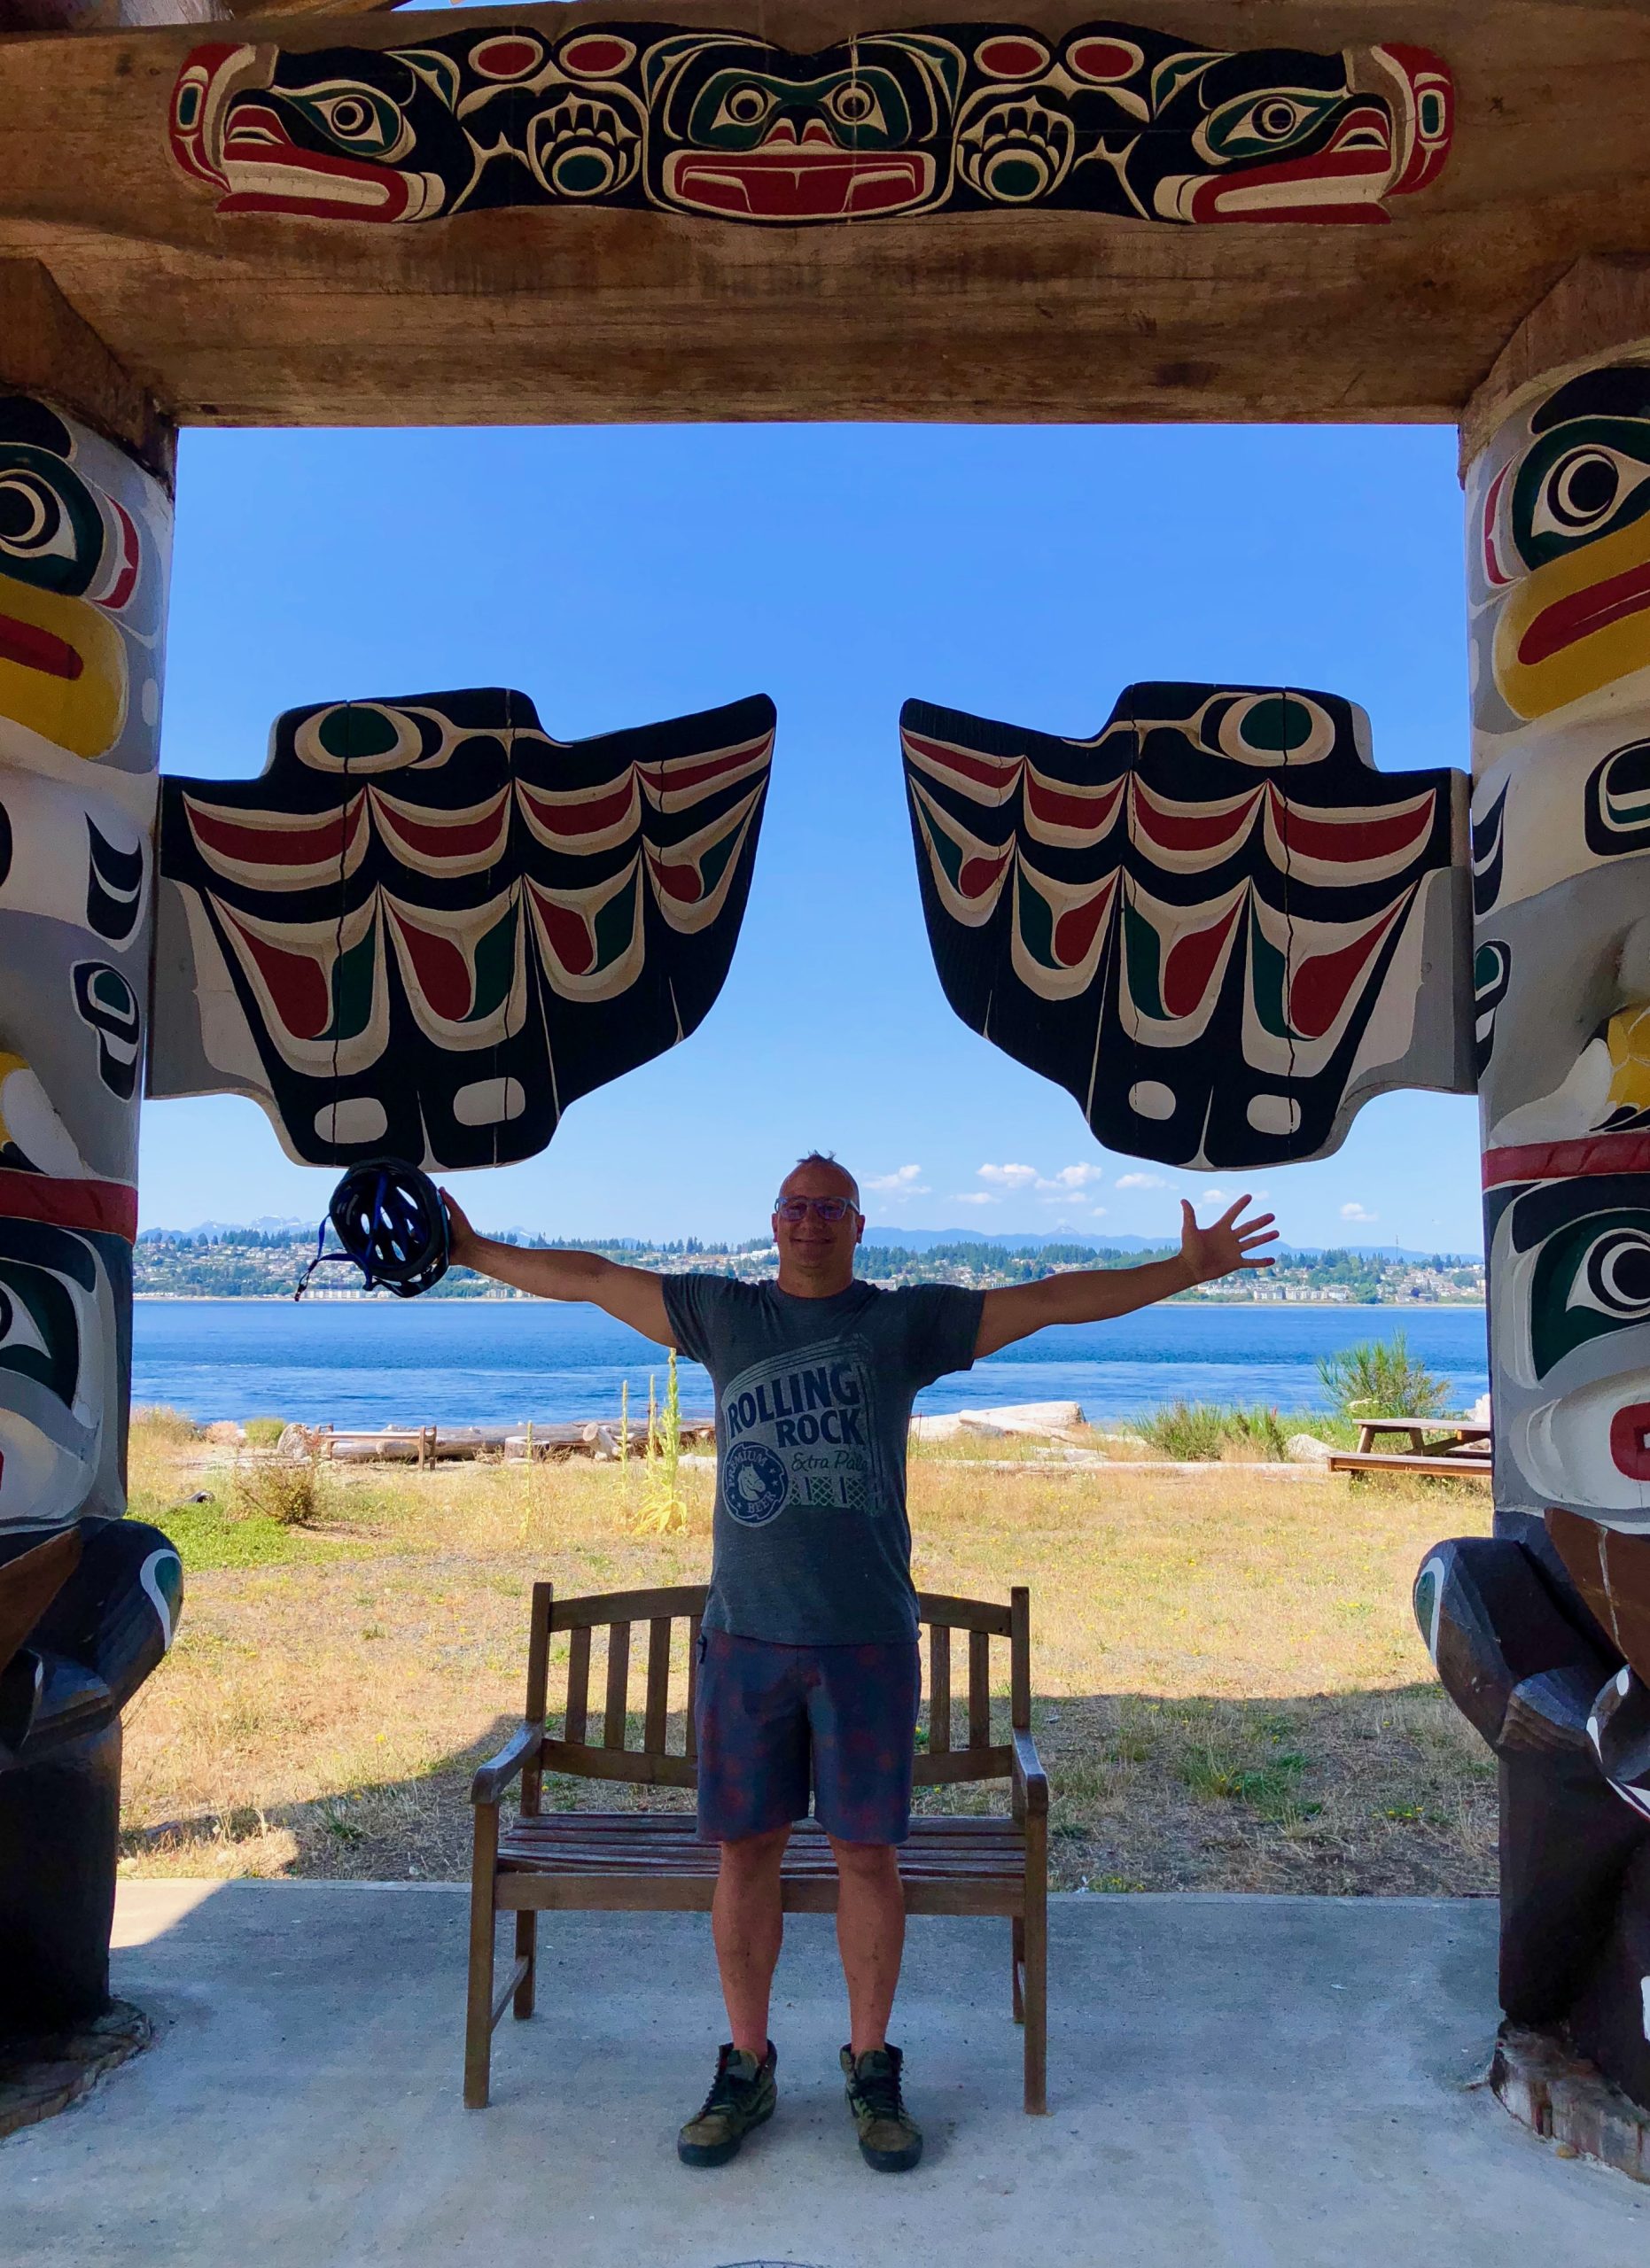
pixel 681 263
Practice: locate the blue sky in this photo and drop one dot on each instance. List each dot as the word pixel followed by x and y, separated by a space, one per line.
pixel 619 574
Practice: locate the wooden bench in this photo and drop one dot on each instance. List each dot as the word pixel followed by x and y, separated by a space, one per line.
pixel 642 1861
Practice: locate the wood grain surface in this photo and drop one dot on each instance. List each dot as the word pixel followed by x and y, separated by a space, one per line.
pixel 562 314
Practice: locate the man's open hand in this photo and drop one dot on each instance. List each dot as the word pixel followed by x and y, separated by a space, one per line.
pixel 1225 1245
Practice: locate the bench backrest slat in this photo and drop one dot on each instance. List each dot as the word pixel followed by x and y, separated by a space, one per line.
pixel 938 1688
pixel 979 1688
pixel 658 1762
pixel 615 1716
pixel 657 1720
pixel 578 1683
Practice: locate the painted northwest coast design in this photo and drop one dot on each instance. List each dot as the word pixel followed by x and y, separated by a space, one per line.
pixel 84 542
pixel 1541 1633
pixel 1558 516
pixel 1213 924
pixel 956 117
pixel 430 927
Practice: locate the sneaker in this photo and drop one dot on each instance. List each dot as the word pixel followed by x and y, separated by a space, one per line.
pixel 889 2139
pixel 742 2095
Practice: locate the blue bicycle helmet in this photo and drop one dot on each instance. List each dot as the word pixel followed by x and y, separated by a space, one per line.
pixel 389 1219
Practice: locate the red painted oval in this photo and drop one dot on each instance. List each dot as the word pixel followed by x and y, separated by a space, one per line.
pixel 1011 59
pixel 506 58
pixel 597 56
pixel 1104 61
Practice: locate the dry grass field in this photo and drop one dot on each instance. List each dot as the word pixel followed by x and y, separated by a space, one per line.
pixel 1230 1692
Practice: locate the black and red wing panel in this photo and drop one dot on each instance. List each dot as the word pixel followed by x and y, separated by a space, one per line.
pixel 429 927
pixel 1214 924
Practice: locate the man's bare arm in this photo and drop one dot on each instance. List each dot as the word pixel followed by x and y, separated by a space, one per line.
pixel 1097 1295
pixel 632 1295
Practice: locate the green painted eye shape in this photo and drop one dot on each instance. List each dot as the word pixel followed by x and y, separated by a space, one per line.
pixel 1584 489
pixel 1252 126
pixel 1587 479
pixel 358 118
pixel 1591 1279
pixel 50 530
pixel 39 1337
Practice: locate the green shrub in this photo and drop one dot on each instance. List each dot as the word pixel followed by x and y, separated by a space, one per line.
pixel 1257 1433
pixel 1379 1377
pixel 1202 1433
pixel 1192 1431
pixel 162 1423
pixel 264 1432
pixel 291 1491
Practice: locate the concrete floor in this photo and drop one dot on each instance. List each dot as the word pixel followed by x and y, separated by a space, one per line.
pixel 1251 2081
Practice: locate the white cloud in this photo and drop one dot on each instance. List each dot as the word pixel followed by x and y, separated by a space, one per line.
pixel 1214 1197
pixel 1141 1181
pixel 1356 1212
pixel 902 1181
pixel 1008 1177
pixel 973 1197
pixel 1070 1179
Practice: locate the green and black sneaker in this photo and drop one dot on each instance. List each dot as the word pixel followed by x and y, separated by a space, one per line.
pixel 889 2139
pixel 742 2095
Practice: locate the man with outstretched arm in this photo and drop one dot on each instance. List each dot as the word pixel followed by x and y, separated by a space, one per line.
pixel 809 1670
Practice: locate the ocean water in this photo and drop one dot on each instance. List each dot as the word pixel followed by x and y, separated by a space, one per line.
pixel 472 1362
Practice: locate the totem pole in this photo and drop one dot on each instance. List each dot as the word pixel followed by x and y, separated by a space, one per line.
pixel 88 1599
pixel 1541 1635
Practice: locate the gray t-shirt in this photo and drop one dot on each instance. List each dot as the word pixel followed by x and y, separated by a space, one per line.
pixel 811 1545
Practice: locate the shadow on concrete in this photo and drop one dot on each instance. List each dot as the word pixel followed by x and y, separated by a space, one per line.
pixel 1383 1793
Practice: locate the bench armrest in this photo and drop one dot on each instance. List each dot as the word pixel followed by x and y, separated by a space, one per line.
pixel 493 1777
pixel 1031 1782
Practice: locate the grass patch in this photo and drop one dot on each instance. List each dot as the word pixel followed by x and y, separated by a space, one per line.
pixel 208 1536
pixel 1229 1690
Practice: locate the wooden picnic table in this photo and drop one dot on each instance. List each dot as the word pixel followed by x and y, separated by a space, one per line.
pixel 1451 1435
pixel 1457 1447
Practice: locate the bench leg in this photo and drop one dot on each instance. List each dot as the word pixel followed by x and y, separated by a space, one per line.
pixel 1036 1993
pixel 1016 1965
pixel 478 2014
pixel 527 1950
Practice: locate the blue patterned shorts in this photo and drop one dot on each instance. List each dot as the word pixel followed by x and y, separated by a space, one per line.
pixel 770 1719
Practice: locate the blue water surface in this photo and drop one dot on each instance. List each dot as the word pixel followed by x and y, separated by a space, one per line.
pixel 472 1362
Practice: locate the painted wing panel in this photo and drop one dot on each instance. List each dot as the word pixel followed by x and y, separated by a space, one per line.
pixel 1215 923
pixel 429 927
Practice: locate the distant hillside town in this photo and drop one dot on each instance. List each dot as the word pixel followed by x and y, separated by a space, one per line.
pixel 220 1262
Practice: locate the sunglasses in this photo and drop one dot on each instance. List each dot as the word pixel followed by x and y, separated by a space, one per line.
pixel 797 1209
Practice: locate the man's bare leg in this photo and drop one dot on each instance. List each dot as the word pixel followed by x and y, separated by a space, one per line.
pixel 870 1936
pixel 748 1924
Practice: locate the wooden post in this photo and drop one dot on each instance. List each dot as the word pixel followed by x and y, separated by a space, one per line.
pixel 1034 1947
pixel 478 2014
